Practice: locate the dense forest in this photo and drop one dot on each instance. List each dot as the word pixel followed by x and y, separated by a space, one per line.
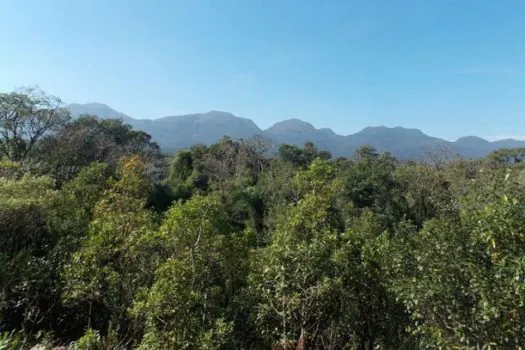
pixel 106 243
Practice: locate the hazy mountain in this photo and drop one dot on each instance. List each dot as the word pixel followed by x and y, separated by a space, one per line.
pixel 402 142
pixel 176 132
pixel 509 143
pixel 98 109
pixel 297 132
pixel 473 146
pixel 292 125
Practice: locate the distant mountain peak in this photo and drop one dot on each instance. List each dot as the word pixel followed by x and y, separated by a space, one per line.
pixel 211 117
pixel 219 113
pixel 97 109
pixel 91 104
pixel 293 124
pixel 471 138
pixel 397 130
pixel 473 142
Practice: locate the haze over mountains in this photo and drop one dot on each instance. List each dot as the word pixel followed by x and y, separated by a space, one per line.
pixel 176 132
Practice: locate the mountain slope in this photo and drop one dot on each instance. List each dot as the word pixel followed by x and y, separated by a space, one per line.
pixel 98 109
pixel 402 142
pixel 297 132
pixel 176 132
pixel 473 146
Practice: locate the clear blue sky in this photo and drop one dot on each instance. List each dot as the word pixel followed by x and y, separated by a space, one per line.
pixel 448 67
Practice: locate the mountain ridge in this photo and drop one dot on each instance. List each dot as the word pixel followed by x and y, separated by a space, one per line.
pixel 182 131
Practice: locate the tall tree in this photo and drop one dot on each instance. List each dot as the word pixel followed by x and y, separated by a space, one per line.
pixel 89 139
pixel 118 255
pixel 369 183
pixel 192 302
pixel 26 271
pixel 25 116
pixel 293 276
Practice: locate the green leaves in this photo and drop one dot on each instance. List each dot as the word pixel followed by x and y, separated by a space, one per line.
pixel 26 247
pixel 464 290
pixel 315 279
pixel 25 117
pixel 302 157
pixel 191 302
pixel 119 255
pixel 25 191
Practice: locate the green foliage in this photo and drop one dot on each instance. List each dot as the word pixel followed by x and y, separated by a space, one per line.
pixel 25 117
pixel 119 254
pixel 185 174
pixel 302 158
pixel 320 285
pixel 372 315
pixel 89 139
pixel 425 191
pixel 9 168
pixel 104 245
pixel 89 341
pixel 11 341
pixel 507 157
pixel 26 243
pixel 464 287
pixel 369 182
pixel 292 277
pixel 25 191
pixel 191 303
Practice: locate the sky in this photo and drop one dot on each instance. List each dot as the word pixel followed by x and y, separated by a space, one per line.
pixel 448 67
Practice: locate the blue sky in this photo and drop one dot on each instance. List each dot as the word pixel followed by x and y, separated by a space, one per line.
pixel 448 67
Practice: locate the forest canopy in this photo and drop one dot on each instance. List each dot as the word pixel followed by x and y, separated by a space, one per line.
pixel 107 243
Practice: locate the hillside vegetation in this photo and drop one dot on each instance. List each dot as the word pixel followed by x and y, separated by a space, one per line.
pixel 106 243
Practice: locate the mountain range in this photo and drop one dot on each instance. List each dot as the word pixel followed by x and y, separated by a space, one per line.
pixel 176 132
